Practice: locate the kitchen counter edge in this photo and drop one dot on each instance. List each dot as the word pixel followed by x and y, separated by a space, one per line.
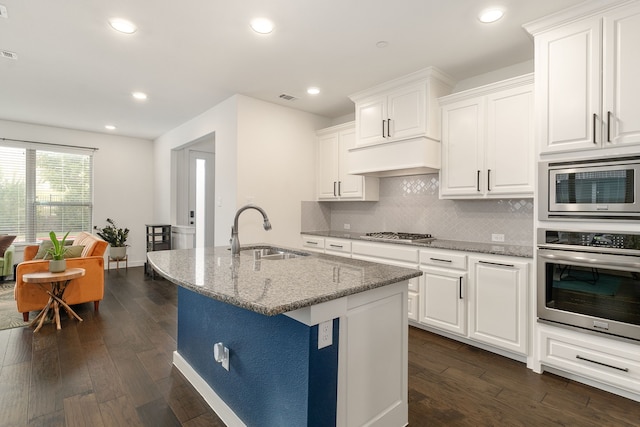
pixel 454 245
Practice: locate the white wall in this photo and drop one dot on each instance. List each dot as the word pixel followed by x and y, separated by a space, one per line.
pixel 495 76
pixel 276 168
pixel 123 176
pixel 263 151
pixel 221 121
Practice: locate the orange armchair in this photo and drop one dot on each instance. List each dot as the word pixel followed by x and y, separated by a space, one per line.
pixel 30 297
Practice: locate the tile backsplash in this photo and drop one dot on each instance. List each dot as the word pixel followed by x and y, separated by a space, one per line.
pixel 411 204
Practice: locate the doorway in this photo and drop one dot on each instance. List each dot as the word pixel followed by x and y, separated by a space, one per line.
pixel 201 197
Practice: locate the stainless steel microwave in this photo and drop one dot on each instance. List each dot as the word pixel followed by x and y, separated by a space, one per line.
pixel 593 189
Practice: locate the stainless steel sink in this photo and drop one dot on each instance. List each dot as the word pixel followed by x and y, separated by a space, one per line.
pixel 272 253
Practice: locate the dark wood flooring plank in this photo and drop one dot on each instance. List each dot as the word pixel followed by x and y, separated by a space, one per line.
pixel 55 419
pixel 73 363
pixel 185 402
pixel 157 414
pixel 82 410
pixel 119 413
pixel 14 393
pixel 18 345
pixel 137 383
pixel 105 377
pixel 45 395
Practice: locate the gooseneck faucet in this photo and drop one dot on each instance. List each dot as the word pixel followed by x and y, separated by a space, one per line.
pixel 235 242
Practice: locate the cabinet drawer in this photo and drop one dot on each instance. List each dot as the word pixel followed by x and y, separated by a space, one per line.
pixel 612 362
pixel 334 245
pixel 313 243
pixel 386 250
pixel 443 259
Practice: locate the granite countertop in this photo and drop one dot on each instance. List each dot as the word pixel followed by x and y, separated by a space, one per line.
pixel 455 245
pixel 272 287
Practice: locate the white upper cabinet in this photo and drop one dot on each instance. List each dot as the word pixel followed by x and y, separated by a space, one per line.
pixel 401 109
pixel 333 181
pixel 587 90
pixel 487 141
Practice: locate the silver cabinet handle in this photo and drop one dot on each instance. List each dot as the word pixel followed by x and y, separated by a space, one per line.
pixel 440 259
pixel 336 246
pixel 608 126
pixel 591 261
pixel 460 287
pixel 496 263
pixel 595 117
pixel 389 128
pixel 478 181
pixel 488 179
pixel 383 135
pixel 334 189
pixel 339 190
pixel 601 364
pixel 311 243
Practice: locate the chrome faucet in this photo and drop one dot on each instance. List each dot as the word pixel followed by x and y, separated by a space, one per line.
pixel 235 242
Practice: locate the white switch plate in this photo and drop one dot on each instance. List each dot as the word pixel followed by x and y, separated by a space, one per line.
pixel 347 226
pixel 325 334
pixel 3 11
pixel 497 237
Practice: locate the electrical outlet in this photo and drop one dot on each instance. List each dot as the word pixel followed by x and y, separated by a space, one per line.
pixel 497 237
pixel 3 11
pixel 325 334
pixel 347 226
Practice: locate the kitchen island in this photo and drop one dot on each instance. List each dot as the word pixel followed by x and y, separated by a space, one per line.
pixel 312 340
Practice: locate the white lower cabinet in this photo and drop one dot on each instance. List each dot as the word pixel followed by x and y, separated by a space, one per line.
pixel 498 303
pixel 443 302
pixel 339 247
pixel 604 360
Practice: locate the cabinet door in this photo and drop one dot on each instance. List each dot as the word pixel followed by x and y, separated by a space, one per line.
pixel 568 92
pixel 510 151
pixel 351 186
pixel 621 71
pixel 371 117
pixel 443 300
pixel 328 166
pixel 462 148
pixel 498 304
pixel 407 112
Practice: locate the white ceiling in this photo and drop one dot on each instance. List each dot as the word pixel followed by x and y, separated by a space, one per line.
pixel 74 71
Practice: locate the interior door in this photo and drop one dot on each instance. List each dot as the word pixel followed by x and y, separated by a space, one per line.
pixel 201 196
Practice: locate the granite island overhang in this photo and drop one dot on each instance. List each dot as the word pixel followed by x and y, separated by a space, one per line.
pixel 269 314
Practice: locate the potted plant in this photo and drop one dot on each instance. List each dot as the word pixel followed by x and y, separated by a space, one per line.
pixel 116 237
pixel 57 263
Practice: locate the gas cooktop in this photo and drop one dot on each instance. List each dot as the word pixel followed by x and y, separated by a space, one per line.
pixel 399 237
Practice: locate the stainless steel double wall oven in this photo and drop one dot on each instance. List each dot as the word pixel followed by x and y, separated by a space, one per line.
pixel 590 280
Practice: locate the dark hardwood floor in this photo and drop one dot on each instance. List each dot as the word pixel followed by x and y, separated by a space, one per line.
pixel 114 369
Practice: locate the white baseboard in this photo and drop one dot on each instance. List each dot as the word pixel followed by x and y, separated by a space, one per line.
pixel 225 413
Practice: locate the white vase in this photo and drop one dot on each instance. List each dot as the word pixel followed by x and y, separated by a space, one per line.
pixel 57 265
pixel 117 253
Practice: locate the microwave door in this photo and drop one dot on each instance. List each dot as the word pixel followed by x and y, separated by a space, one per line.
pixel 594 189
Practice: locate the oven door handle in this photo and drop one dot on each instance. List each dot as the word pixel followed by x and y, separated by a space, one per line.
pixel 586 260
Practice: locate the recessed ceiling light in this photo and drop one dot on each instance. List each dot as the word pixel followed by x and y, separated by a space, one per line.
pixel 491 15
pixel 110 127
pixel 139 95
pixel 262 25
pixel 313 91
pixel 123 25
pixel 382 44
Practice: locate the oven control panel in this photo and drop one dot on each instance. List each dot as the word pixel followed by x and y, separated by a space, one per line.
pixel 599 240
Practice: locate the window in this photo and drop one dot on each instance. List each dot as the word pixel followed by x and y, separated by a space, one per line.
pixel 44 188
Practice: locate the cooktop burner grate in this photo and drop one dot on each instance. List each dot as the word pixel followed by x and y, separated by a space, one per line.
pixel 396 236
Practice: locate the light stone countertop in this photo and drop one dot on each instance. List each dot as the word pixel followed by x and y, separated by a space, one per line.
pixel 272 287
pixel 454 245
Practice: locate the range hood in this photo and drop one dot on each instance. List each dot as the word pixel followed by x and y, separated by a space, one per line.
pixel 415 156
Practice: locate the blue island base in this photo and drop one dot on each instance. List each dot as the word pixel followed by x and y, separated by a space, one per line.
pixel 277 375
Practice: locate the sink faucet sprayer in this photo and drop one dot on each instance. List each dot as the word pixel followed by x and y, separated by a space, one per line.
pixel 235 242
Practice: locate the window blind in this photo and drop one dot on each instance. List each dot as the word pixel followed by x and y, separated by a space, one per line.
pixel 44 189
